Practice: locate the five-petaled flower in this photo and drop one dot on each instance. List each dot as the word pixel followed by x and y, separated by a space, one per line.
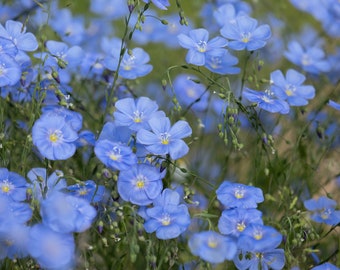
pixel 165 139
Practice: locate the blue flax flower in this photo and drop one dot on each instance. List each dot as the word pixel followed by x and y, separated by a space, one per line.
pixel 323 210
pixel 167 217
pixel 290 88
pixel 12 185
pixel 136 113
pixel 238 195
pixel 66 213
pixel 258 237
pixel 161 4
pixel 198 45
pixel 234 221
pixel 164 139
pixel 267 101
pixel 51 250
pixel 244 34
pixel 10 71
pixel 133 65
pixel 60 55
pixel 311 59
pixel 88 190
pixel 16 32
pixel 115 155
pixel 43 185
pixel 54 137
pixel 264 260
pixel 212 247
pixel 141 184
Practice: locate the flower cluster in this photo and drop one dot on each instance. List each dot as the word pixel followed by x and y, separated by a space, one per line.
pixel 243 237
pixel 50 241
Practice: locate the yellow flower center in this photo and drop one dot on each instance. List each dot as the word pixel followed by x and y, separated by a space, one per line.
pixel 140 184
pixel 245 37
pixel 239 193
pixel 212 243
pixel 82 192
pixel 165 138
pixel 166 220
pixel 5 188
pixel 289 92
pixel 114 154
pixel 258 235
pixel 137 116
pixel 240 226
pixel 54 137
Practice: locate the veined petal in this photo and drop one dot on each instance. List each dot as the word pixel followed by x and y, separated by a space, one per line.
pixel 294 77
pixel 178 149
pixel 180 129
pixel 263 32
pixel 147 138
pixel 217 42
pixel 196 58
pixel 185 41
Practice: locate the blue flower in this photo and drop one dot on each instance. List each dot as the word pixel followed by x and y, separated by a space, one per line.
pixel 167 217
pixel 10 71
pixel 311 59
pixel 161 4
pixel 323 210
pixel 221 62
pixel 291 88
pixel 212 247
pixel 66 213
pixel 42 185
pixel 136 113
pixel 238 195
pixel 164 139
pixel 234 221
pixel 133 65
pixel 16 32
pixel 71 29
pixel 60 55
pixel 267 101
pixel 52 250
pixel 198 44
pixel 54 137
pixel 115 155
pixel 244 34
pixel 12 185
pixel 268 259
pixel 88 190
pixel 141 184
pixel 258 237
